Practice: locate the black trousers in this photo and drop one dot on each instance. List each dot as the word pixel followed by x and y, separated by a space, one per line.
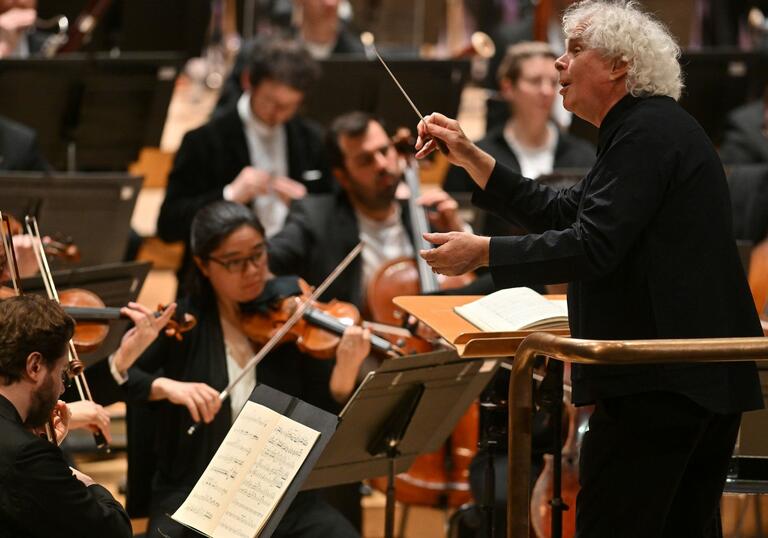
pixel 653 465
pixel 309 516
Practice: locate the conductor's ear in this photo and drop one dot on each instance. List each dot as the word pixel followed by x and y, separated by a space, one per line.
pixel 619 69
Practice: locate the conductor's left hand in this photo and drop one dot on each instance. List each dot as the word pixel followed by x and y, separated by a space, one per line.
pixel 456 253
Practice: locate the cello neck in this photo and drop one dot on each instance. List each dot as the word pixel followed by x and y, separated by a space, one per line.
pixel 419 226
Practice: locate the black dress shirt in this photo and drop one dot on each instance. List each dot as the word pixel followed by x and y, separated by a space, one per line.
pixel 39 496
pixel 646 242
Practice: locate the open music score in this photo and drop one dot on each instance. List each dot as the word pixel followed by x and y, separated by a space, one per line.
pixel 248 475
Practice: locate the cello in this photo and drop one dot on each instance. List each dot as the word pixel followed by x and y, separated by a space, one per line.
pixel 439 479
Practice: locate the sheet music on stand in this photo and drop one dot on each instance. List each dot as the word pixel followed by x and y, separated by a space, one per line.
pixel 259 467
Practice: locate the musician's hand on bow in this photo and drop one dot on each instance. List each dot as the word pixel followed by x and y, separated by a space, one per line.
pixel 202 401
pixel 89 415
pixel 25 255
pixel 144 331
pixel 456 253
pixel 445 216
pixel 461 151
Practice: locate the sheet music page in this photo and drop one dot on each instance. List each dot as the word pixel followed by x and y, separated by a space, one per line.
pixel 512 309
pixel 248 475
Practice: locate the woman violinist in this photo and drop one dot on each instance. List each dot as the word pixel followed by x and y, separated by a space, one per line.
pixel 183 380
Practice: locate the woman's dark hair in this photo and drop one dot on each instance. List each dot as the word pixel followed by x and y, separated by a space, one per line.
pixel 28 324
pixel 210 227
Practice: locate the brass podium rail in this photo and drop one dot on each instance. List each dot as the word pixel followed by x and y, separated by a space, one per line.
pixel 593 352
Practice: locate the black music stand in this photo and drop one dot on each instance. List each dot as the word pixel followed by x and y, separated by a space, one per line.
pixel 719 80
pixel 93 209
pixel 308 415
pixel 91 112
pixel 407 407
pixel 434 85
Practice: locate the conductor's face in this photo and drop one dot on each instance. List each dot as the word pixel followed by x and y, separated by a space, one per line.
pixel 371 170
pixel 274 103
pixel 588 79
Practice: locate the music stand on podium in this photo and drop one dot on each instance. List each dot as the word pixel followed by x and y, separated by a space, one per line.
pixel 407 407
pixel 437 311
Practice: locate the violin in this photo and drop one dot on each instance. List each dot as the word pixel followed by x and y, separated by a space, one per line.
pixel 60 247
pixel 321 326
pixel 284 328
pixel 93 318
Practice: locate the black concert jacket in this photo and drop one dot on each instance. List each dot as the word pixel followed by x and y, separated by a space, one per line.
pixel 646 242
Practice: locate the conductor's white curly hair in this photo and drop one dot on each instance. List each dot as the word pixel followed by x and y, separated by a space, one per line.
pixel 620 29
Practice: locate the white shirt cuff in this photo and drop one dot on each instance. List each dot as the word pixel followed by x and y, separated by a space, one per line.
pixel 119 378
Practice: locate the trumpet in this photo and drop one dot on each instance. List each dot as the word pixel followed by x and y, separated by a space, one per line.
pixel 480 45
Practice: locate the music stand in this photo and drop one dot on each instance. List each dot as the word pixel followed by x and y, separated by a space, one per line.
pixel 309 415
pixel 94 209
pixel 434 85
pixel 407 407
pixel 717 81
pixel 437 312
pixel 91 112
pixel 116 285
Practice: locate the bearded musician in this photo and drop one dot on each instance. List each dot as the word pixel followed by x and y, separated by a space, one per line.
pixel 40 495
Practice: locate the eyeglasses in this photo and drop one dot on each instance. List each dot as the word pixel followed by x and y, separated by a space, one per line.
pixel 238 265
pixel 539 81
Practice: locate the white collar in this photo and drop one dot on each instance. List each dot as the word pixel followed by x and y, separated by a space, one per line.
pixel 251 122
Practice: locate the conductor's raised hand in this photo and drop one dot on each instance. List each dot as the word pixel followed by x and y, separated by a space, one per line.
pixel 456 253
pixel 448 131
pixel 461 151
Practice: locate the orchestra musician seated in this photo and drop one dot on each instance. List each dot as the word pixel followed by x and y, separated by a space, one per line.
pixel 183 381
pixel 259 152
pixel 321 229
pixel 40 495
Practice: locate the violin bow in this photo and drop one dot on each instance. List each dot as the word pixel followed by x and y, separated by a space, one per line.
pixel 76 366
pixel 282 331
pixel 13 271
